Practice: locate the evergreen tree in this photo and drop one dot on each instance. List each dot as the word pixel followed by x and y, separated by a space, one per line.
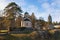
pixel 49 19
pixel 18 21
pixel 33 18
pixel 41 22
pixel 11 11
pixel 50 25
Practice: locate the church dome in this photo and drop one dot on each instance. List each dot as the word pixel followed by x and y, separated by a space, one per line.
pixel 26 13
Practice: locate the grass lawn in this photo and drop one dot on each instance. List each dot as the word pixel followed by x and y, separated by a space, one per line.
pixel 30 36
pixel 10 37
pixel 17 36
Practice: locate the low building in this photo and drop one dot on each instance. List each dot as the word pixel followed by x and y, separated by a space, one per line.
pixel 56 26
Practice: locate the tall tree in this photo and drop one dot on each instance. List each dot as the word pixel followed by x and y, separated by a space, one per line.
pixel 18 21
pixel 50 25
pixel 11 11
pixel 41 22
pixel 33 20
pixel 49 19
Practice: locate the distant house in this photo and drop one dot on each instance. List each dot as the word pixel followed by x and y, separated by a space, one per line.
pixel 56 26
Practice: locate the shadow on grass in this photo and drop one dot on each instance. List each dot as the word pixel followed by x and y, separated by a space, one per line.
pixel 10 37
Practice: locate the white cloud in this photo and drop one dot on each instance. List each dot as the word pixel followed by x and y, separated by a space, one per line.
pixel 53 9
pixel 20 2
pixel 30 9
pixel 33 9
pixel 4 3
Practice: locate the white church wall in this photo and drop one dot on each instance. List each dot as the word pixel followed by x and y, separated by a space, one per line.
pixel 27 24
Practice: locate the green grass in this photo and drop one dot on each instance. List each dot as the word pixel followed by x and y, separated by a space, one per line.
pixel 17 37
pixel 55 36
pixel 9 37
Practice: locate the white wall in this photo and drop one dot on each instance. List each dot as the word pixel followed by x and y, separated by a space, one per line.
pixel 27 24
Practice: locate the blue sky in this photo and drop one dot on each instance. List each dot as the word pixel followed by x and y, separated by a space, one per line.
pixel 41 8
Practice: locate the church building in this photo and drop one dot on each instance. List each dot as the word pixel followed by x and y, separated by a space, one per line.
pixel 26 22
